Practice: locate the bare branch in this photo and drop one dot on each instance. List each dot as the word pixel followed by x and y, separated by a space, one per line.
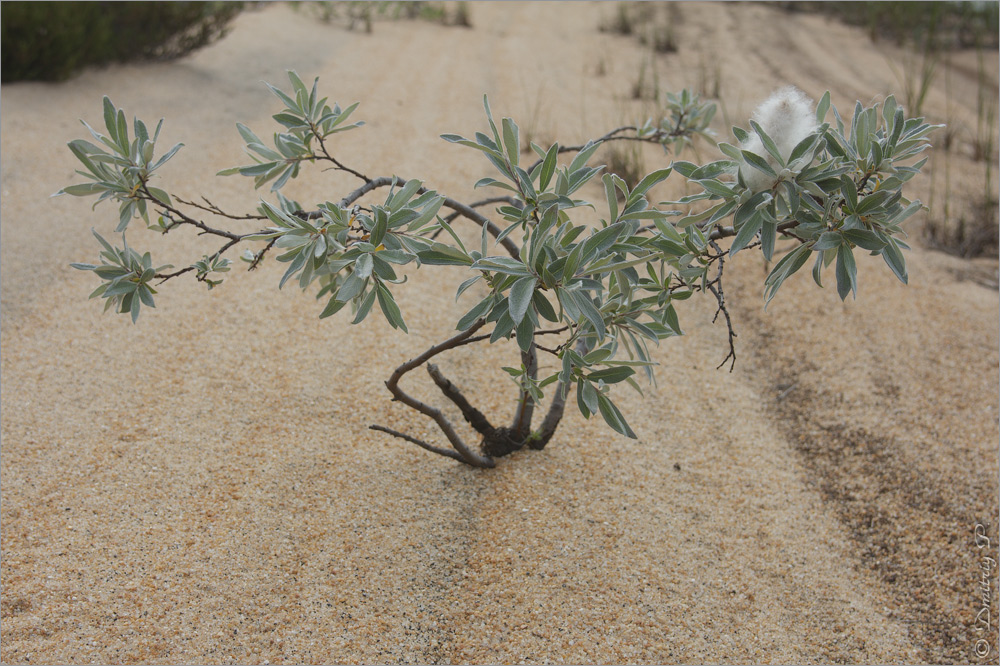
pixel 472 415
pixel 467 455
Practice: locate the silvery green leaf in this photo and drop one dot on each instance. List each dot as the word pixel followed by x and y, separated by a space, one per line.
pixel 847 272
pixel 586 398
pixel 444 255
pixel 505 265
pixel 768 142
pixel 146 296
pixel 253 169
pixel 768 232
pixel 365 307
pixel 717 188
pixel 81 190
pixel 599 242
pixel 352 286
pixel 477 312
pixel 543 307
pixel 363 266
pixel 511 140
pixel 493 182
pixel 525 334
pixel 864 238
pixel 648 182
pixel 746 233
pixel 502 329
pixel 759 163
pixel 804 147
pixel 465 285
pixel 170 153
pixel 817 270
pixel 785 267
pixel 613 417
pixel 380 227
pixel 520 297
pixel 125 213
pixel 895 260
pixel 823 107
pixel 611 375
pixel 389 307
pixel 289 102
pixel 332 307
pixel 828 240
pixel 159 195
pixel 850 191
pixel 383 269
pixel 548 167
pixel 589 312
pixel 583 156
pixel 396 201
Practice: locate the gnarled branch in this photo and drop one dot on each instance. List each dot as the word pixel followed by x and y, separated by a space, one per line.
pixel 467 455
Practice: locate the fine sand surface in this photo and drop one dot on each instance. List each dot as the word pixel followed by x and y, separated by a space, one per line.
pixel 202 487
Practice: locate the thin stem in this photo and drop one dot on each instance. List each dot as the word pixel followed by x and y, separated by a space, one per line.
pixel 215 210
pixel 556 409
pixel 330 158
pixel 613 134
pixel 715 286
pixel 525 403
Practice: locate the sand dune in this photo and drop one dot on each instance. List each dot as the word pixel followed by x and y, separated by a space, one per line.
pixel 203 488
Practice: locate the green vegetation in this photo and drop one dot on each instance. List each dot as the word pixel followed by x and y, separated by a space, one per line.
pixel 653 23
pixel 52 41
pixel 352 13
pixel 940 24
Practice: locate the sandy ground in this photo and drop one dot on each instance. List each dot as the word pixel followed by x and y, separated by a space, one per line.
pixel 202 487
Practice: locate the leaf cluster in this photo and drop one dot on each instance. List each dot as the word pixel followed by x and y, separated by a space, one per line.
pixel 840 189
pixel 122 172
pixel 126 276
pixel 305 118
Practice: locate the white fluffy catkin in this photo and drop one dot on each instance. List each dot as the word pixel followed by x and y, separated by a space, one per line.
pixel 787 117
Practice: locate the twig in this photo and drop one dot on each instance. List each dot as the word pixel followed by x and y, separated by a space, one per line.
pixel 260 255
pixel 477 204
pixel 215 210
pixel 418 442
pixel 716 288
pixel 327 156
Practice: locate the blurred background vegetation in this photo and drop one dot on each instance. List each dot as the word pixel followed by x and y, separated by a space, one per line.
pixel 941 23
pixel 52 41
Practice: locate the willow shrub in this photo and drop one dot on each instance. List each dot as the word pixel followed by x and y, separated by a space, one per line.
pixel 592 297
